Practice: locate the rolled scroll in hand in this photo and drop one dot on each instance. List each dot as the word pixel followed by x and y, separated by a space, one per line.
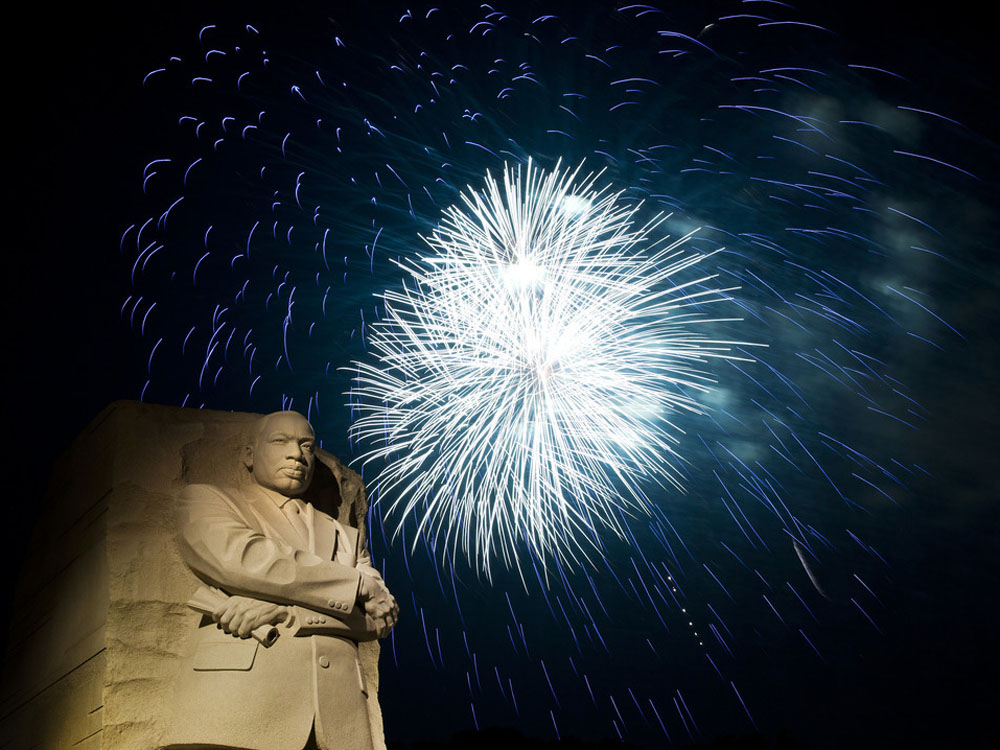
pixel 208 600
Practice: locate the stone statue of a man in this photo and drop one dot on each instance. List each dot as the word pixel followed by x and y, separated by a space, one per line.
pixel 289 595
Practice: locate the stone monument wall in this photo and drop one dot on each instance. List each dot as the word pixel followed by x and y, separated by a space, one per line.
pixel 99 622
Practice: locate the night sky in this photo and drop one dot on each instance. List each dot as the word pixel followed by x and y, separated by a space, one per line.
pixel 843 587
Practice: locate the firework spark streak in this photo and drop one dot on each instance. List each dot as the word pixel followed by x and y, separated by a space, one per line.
pixel 527 377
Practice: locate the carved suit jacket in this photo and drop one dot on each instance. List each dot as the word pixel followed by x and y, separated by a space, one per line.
pixel 237 693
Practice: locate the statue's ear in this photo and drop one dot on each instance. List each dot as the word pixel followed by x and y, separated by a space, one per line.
pixel 248 456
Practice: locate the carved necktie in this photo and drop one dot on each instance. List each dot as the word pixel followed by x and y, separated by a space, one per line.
pixel 293 512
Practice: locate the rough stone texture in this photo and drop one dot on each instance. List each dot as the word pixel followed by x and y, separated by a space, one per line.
pixel 100 623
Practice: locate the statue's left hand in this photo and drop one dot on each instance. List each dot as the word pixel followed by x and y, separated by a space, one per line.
pixel 378 604
pixel 240 615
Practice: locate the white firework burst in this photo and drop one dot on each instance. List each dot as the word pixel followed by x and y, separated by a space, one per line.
pixel 529 372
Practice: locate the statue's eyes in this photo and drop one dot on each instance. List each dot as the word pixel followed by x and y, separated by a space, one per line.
pixel 308 447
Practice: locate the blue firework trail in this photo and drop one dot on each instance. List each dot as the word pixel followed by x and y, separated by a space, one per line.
pixel 297 172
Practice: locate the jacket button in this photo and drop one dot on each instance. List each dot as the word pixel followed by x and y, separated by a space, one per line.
pixel 334 604
pixel 324 662
pixel 322 620
pixel 309 621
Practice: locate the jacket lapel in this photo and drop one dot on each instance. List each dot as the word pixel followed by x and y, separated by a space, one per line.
pixel 347 545
pixel 332 540
pixel 323 531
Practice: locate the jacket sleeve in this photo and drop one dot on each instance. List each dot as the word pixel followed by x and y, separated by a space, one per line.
pixel 222 548
pixel 356 626
pixel 365 563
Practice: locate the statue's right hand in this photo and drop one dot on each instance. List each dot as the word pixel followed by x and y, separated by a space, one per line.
pixel 241 615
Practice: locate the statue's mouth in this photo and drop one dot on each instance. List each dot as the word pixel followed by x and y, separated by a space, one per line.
pixel 295 472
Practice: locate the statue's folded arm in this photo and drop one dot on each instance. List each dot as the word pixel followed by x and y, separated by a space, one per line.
pixel 221 547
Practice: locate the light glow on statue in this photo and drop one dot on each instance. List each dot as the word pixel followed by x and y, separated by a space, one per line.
pixel 529 373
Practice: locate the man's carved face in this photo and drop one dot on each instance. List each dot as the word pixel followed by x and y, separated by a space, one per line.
pixel 283 458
